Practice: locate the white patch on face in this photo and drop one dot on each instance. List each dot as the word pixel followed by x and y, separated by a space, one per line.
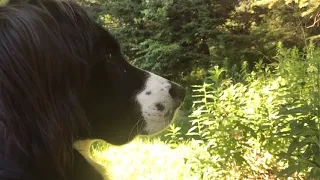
pixel 157 105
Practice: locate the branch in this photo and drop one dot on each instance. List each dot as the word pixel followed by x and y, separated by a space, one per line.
pixel 316 20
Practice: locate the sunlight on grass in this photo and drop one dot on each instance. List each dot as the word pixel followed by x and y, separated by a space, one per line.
pixel 152 159
pixel 145 159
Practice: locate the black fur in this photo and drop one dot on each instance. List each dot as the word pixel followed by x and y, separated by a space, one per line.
pixel 63 78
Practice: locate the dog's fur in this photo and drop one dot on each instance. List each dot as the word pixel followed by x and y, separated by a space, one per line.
pixel 63 79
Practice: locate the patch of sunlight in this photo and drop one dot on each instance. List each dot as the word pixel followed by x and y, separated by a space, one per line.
pixel 145 159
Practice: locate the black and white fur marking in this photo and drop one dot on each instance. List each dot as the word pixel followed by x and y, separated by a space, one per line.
pixel 156 103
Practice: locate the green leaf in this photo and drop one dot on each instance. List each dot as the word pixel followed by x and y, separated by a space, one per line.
pixel 288 171
pixel 314 173
pixel 293 146
pixel 302 110
pixel 192 129
pixel 239 159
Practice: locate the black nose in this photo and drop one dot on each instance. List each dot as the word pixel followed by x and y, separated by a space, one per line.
pixel 176 91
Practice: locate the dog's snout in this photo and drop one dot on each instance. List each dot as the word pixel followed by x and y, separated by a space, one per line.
pixel 177 92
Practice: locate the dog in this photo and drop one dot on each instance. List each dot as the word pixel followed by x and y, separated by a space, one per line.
pixel 63 80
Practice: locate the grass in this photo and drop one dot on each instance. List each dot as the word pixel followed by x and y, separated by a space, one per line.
pixel 147 159
pixel 152 159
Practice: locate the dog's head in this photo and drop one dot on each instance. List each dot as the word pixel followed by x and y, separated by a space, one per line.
pixel 123 101
pixel 119 101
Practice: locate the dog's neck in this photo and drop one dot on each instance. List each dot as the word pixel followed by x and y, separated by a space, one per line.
pixel 15 165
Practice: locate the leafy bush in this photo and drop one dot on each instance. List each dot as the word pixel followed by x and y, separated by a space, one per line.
pixel 300 113
pixel 232 120
pixel 272 112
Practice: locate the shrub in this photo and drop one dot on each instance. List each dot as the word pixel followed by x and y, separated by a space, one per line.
pixel 270 112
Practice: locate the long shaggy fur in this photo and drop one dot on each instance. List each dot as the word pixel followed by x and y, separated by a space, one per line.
pixel 45 62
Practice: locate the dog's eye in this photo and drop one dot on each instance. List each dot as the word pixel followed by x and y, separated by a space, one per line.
pixel 112 61
pixel 109 57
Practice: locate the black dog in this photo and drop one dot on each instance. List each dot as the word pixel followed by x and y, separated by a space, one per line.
pixel 64 79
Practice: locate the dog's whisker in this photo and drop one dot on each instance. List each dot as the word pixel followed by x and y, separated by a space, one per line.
pixel 136 125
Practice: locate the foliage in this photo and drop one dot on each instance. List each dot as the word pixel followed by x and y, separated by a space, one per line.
pixel 307 7
pixel 168 37
pixel 300 113
pixel 272 112
pixel 254 28
pixel 177 37
pixel 231 119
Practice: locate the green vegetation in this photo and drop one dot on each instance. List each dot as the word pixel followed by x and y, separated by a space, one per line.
pixel 166 163
pixel 251 68
pixel 272 110
pixel 156 160
pixel 177 37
